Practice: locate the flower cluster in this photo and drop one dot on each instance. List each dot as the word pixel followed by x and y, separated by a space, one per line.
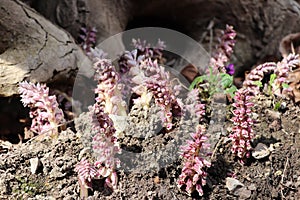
pixel 282 72
pixel 86 172
pixel 164 94
pixel 193 104
pixel 108 88
pixel 142 51
pixel 145 48
pixel 242 130
pixel 256 75
pixel 221 57
pixel 164 97
pixel 105 145
pixel 44 111
pixel 87 39
pixel 193 174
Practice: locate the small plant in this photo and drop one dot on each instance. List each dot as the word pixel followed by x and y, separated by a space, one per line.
pixel 46 116
pixel 220 82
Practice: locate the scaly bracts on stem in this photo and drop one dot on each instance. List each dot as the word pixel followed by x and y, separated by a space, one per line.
pixel 242 130
pixel 44 111
pixel 256 75
pixel 223 52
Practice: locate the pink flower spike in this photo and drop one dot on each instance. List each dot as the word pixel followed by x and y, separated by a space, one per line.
pixel 242 132
pixel 44 110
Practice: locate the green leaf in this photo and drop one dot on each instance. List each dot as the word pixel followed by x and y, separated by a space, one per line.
pixel 226 80
pixel 231 91
pixel 195 82
pixel 272 78
pixel 258 83
pixel 285 85
pixel 277 105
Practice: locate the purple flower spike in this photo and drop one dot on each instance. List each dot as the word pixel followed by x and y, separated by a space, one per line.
pixel 223 52
pixel 230 69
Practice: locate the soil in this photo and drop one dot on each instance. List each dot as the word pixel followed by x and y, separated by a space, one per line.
pixel 153 176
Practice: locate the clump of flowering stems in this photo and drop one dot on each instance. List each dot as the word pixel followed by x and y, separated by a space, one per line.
pixel 193 174
pixel 242 132
pixel 46 116
pixel 157 82
pixel 282 71
pixel 223 52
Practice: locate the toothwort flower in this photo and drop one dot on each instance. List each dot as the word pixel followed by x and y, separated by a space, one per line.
pixel 104 145
pixel 193 174
pixel 44 111
pixel 142 51
pixel 86 172
pixel 242 132
pixel 157 82
pixel 108 88
pixel 223 52
pixel 87 39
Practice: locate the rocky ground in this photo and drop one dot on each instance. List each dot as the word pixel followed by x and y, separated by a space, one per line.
pixel 44 169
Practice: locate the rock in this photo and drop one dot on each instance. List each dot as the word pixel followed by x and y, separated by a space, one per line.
pixel 56 174
pixel 260 151
pixel 273 114
pixel 243 193
pixel 252 187
pixel 35 163
pixel 232 183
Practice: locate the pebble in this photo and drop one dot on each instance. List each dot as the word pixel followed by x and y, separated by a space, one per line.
pixel 278 173
pixel 252 187
pixel 260 151
pixel 273 114
pixel 232 183
pixel 35 163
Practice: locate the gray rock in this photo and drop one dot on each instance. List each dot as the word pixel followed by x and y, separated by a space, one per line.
pixel 260 151
pixel 232 183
